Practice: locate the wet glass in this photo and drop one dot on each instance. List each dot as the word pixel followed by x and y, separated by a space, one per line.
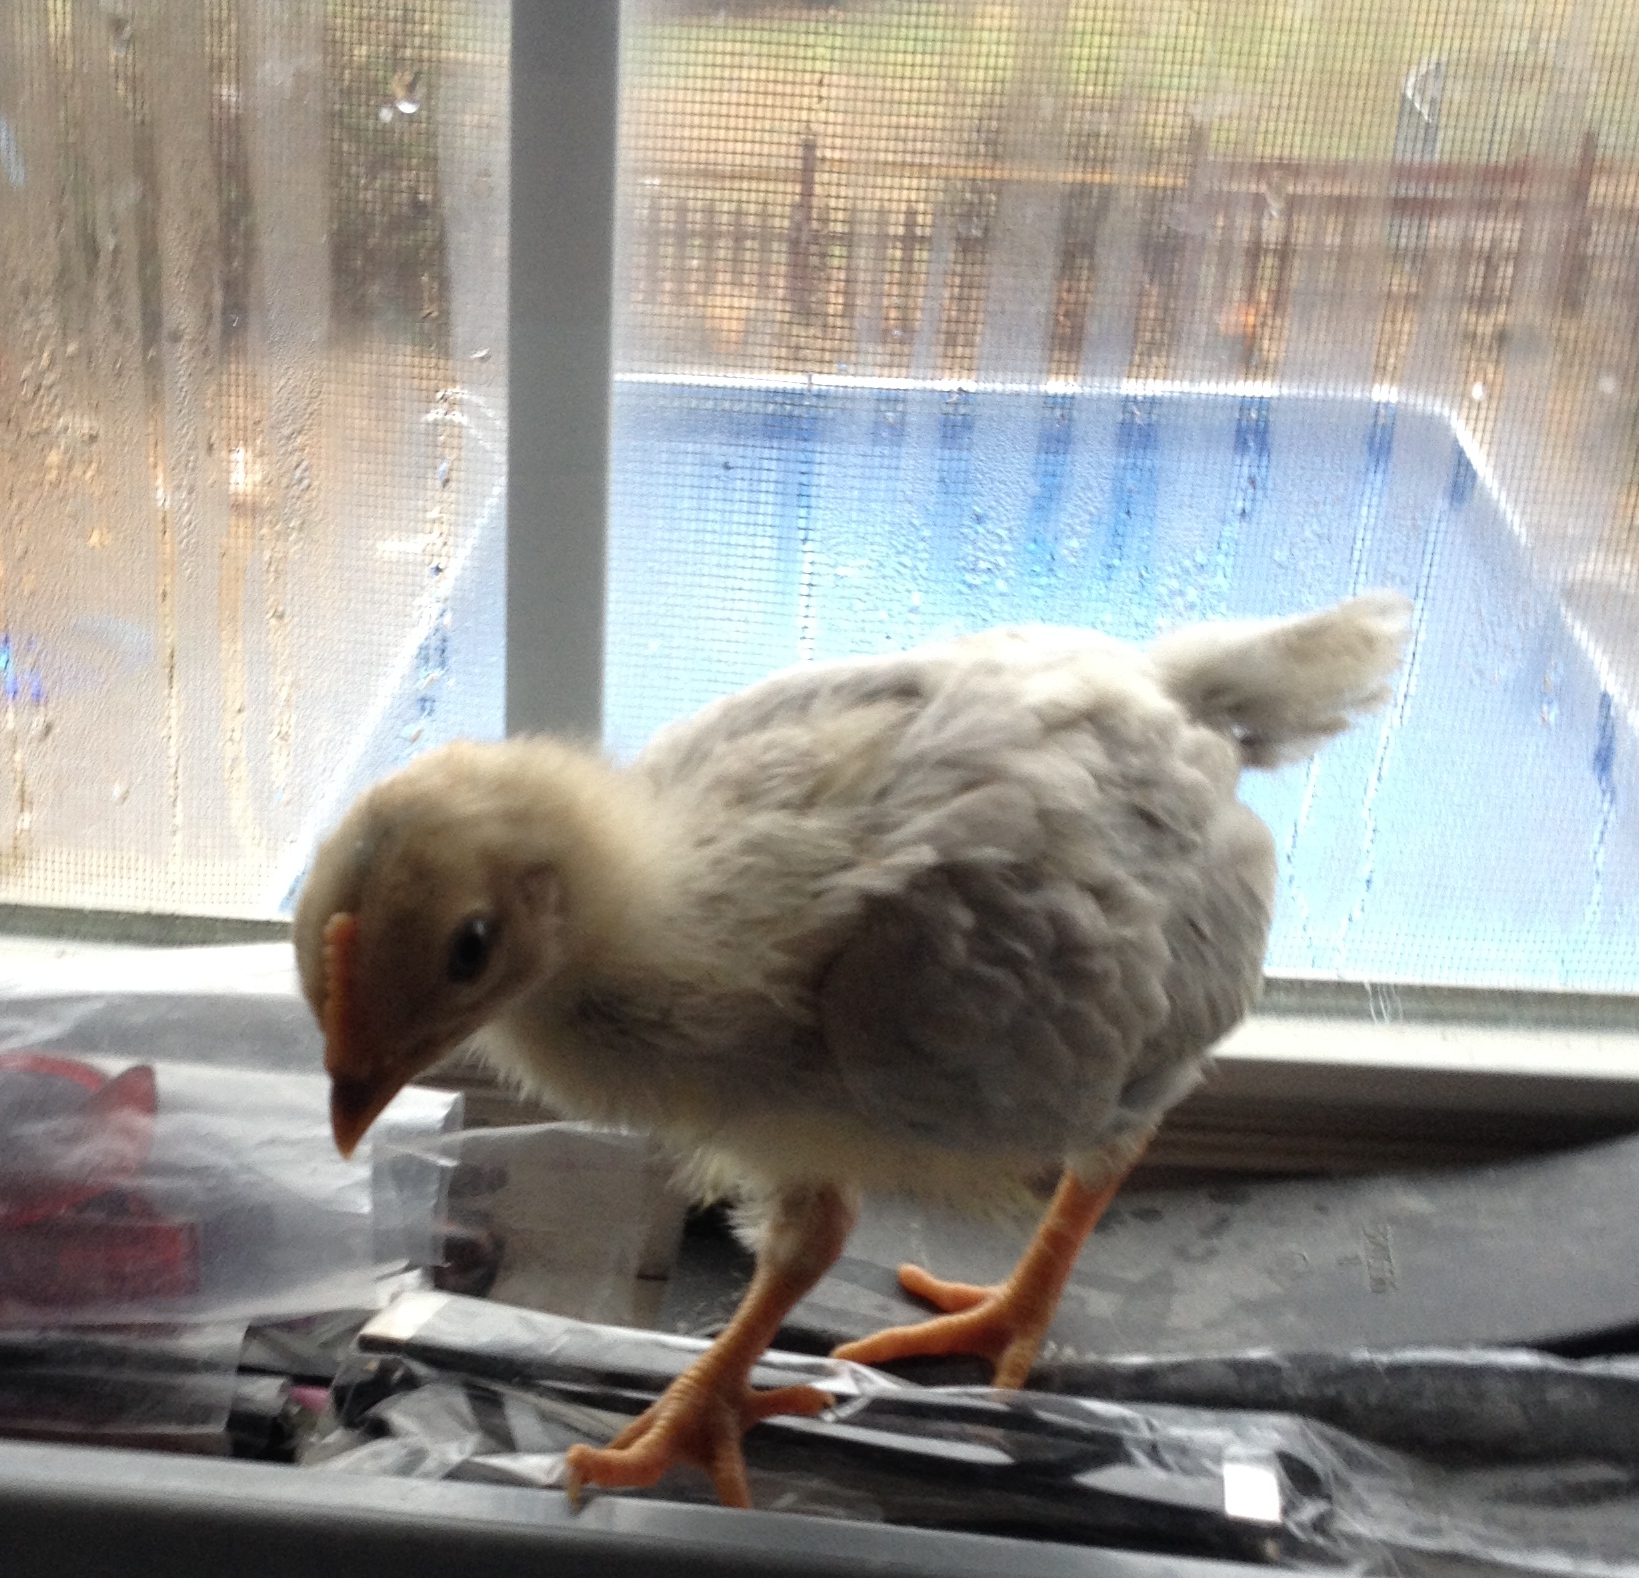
pixel 936 315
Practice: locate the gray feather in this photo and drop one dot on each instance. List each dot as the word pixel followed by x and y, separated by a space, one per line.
pixel 1006 881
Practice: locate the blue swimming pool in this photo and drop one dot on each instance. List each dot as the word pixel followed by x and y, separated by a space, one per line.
pixel 1482 833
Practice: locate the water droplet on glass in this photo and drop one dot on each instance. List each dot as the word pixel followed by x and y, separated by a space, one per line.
pixel 443 473
pixel 407 92
pixel 11 158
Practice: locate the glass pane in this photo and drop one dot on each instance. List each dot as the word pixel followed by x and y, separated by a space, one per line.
pixel 939 313
pixel 252 337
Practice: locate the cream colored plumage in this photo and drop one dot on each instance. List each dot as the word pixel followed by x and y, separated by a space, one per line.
pixel 932 921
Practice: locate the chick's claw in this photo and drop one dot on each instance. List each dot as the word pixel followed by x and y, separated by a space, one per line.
pixel 1006 1323
pixel 697 1421
pixel 992 1322
pixel 951 1297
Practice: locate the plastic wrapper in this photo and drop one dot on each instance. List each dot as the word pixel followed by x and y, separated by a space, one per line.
pixel 450 1387
pixel 228 1007
pixel 167 1176
pixel 1458 1407
pixel 167 1191
pixel 171 1389
pixel 566 1217
pixel 165 1147
pixel 168 1387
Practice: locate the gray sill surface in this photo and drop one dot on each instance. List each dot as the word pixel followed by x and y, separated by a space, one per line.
pixel 97 1513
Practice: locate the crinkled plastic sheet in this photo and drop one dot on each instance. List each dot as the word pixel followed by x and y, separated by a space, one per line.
pixel 172 1387
pixel 167 1159
pixel 228 1007
pixel 215 1194
pixel 167 1175
pixel 1454 1406
pixel 446 1387
pixel 567 1217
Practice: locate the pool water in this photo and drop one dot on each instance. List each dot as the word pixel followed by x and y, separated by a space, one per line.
pixel 1481 832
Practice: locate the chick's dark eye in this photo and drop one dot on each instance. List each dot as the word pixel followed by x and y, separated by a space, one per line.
pixel 470 948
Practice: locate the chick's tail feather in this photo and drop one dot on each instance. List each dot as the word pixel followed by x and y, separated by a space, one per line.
pixel 1280 687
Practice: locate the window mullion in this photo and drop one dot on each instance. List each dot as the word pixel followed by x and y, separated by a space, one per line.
pixel 565 92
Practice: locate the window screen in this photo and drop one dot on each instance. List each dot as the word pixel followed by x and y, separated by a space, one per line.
pixel 252 336
pixel 937 314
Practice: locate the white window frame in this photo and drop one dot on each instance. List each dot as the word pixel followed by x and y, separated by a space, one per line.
pixel 565 114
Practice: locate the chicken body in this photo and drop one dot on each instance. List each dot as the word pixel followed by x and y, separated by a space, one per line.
pixel 922 923
pixel 933 922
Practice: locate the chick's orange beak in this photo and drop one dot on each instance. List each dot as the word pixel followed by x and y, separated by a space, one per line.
pixel 354 1106
pixel 360 1086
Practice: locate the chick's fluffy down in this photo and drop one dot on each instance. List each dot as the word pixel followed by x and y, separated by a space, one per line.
pixel 934 921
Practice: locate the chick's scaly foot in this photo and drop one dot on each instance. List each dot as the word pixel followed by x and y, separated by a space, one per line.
pixel 1004 1324
pixel 699 1419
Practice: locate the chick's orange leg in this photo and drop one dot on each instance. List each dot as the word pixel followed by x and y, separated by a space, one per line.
pixel 701 1416
pixel 1006 1323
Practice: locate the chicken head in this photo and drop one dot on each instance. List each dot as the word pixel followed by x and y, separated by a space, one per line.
pixel 446 912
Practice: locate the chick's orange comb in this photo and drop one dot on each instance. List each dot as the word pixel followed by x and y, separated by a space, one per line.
pixel 341 935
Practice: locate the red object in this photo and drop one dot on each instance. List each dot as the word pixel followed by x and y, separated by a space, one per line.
pixel 73 1230
pixel 110 1250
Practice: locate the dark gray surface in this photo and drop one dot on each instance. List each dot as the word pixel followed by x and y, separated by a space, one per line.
pixel 1528 1252
pixel 97 1514
pixel 1467 1406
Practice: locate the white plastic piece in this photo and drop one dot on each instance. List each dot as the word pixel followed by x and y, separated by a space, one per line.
pixel 1252 1493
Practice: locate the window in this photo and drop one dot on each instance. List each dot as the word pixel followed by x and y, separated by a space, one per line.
pixel 252 392
pixel 937 314
pixel 928 314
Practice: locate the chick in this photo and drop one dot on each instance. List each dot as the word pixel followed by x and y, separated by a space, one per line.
pixel 927 922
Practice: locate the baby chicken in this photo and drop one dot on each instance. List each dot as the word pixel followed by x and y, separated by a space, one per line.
pixel 933 921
